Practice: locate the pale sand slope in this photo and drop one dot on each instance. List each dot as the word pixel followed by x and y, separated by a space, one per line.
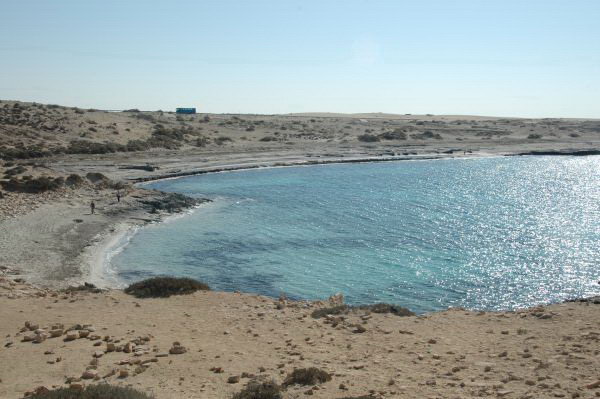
pixel 539 353
pixel 61 243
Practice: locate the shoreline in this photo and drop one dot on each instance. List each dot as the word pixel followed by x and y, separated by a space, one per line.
pixel 95 254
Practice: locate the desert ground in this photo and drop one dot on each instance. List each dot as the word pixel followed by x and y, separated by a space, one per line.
pixel 55 160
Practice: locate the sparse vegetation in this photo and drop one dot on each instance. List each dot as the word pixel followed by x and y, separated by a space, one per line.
pixel 534 136
pixel 368 138
pixel 74 180
pixel 375 308
pixel 26 184
pixel 100 391
pixel 164 287
pixel 222 139
pixel 428 134
pixel 307 376
pixel 260 390
pixel 396 134
pixel 335 310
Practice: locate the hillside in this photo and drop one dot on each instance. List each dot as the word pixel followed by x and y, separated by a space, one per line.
pixel 30 130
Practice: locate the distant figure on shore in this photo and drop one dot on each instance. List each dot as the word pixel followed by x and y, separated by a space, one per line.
pixel 118 196
pixel 92 206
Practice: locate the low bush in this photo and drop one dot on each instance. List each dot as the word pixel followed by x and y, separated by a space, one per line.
pixel 396 134
pixel 222 139
pixel 74 180
pixel 368 138
pixel 534 136
pixel 428 134
pixel 164 287
pixel 375 308
pixel 260 390
pixel 309 376
pixel 17 170
pixel 33 185
pixel 268 138
pixel 335 310
pixel 387 308
pixel 100 391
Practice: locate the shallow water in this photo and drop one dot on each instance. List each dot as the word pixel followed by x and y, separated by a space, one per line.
pixel 491 233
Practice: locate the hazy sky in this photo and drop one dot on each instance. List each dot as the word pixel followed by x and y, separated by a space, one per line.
pixel 538 58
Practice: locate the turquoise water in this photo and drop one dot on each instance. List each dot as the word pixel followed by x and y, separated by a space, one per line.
pixel 491 233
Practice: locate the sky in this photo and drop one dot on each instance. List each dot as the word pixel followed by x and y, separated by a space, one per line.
pixel 523 58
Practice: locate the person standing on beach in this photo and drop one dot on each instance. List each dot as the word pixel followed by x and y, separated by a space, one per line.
pixel 118 196
pixel 92 206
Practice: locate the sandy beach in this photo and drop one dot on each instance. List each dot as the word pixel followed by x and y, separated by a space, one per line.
pixel 49 241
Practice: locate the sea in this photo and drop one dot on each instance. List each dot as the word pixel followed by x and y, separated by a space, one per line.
pixel 497 233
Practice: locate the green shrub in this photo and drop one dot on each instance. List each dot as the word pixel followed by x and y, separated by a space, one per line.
pixel 100 391
pixel 309 376
pixel 164 287
pixel 260 390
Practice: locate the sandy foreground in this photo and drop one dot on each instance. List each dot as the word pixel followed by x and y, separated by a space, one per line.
pixel 544 352
pixel 50 241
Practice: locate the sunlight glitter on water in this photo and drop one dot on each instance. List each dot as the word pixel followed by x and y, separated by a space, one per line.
pixel 493 233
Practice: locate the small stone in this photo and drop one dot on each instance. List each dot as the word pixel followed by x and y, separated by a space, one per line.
pixel 593 385
pixel 359 329
pixel 432 341
pixel 83 333
pixel 72 335
pixel 89 374
pixel 39 338
pixel 76 386
pixel 503 393
pixel 234 379
pixel 123 373
pixel 110 347
pixel 98 354
pixel 128 347
pixel 56 332
pixel 177 350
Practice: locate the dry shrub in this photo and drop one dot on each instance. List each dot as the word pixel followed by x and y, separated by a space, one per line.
pixel 164 287
pixel 100 391
pixel 260 390
pixel 375 308
pixel 309 376
pixel 368 138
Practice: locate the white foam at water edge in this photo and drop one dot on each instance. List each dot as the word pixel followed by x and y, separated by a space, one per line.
pixel 102 273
